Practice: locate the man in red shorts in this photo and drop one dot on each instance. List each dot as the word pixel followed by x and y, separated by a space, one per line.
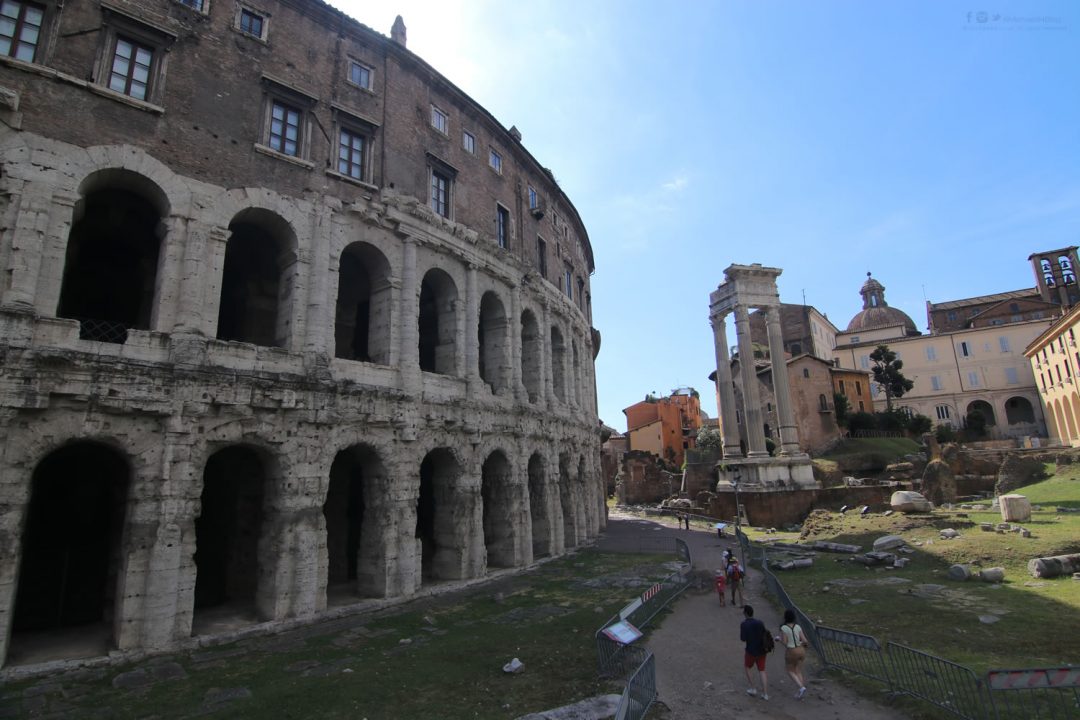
pixel 752 632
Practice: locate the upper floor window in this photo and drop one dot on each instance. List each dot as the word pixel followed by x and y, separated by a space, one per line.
pixel 284 129
pixel 194 4
pixel 502 226
pixel 541 256
pixel 360 74
pixel 20 29
pixel 864 362
pixel 495 161
pixel 1067 276
pixel 965 349
pixel 942 412
pixel 351 153
pixel 440 193
pixel 858 388
pixel 1003 343
pixel 440 120
pixel 534 202
pixel 568 278
pixel 806 374
pixel 1047 272
pixel 468 141
pixel 823 402
pixel 252 23
pixel 935 382
pixel 1012 377
pixel 131 65
pixel 931 352
pixel 854 339
pixel 951 316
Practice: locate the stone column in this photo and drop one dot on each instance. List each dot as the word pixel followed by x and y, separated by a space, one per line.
pixel 755 433
pixel 409 356
pixel 210 283
pixel 789 431
pixel 472 337
pixel 54 253
pixel 546 365
pixel 516 384
pixel 191 316
pixel 318 322
pixel 31 225
pixel 729 425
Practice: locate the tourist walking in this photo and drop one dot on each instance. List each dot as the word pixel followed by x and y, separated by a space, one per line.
pixel 735 576
pixel 752 632
pixel 794 639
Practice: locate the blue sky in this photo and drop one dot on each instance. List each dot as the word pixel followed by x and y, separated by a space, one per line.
pixel 934 143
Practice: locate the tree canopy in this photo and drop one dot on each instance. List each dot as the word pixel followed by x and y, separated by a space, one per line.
pixel 887 374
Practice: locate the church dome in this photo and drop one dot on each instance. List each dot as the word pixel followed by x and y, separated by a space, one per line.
pixel 876 313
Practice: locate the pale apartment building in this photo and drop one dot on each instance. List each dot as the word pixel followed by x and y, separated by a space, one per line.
pixel 1054 361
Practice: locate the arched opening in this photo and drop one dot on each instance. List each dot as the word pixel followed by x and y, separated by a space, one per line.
pixel 1060 426
pixel 111 266
pixel 438 323
pixel 227 534
pixel 558 364
pixel 1068 412
pixel 531 349
pixel 494 337
pixel 350 533
pixel 440 539
pixel 539 509
pixel 983 408
pixel 257 281
pixel 1019 410
pixel 499 521
pixel 72 555
pixel 575 374
pixel 568 502
pixel 362 323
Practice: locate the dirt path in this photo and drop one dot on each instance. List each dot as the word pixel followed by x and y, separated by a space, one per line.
pixel 698 653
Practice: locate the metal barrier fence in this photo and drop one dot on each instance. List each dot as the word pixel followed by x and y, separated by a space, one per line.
pixel 1042 694
pixel 950 686
pixel 1038 693
pixel 640 692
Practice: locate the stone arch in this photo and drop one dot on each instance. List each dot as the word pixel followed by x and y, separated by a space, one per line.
pixel 493 334
pixel 1019 410
pixel 258 280
pixel 1062 428
pixel 1074 401
pixel 352 532
pixel 568 501
pixel 985 409
pixel 233 550
pixel 442 513
pixel 363 316
pixel 558 363
pixel 531 356
pixel 1051 421
pixel 71 562
pixel 540 506
pixel 438 320
pixel 500 520
pixel 110 282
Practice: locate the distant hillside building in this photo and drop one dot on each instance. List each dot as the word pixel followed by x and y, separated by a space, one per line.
pixel 664 426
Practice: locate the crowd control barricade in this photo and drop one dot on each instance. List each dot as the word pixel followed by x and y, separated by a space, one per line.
pixel 640 691
pixel 1036 693
pixel 950 686
pixel 853 652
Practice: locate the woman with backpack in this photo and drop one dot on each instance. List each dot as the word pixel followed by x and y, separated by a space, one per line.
pixel 794 639
pixel 735 579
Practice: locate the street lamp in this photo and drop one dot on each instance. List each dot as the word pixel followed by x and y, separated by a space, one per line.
pixel 736 476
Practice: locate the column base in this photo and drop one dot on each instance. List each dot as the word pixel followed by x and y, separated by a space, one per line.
pixel 766 474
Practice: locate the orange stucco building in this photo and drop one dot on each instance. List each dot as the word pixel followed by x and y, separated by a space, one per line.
pixel 664 426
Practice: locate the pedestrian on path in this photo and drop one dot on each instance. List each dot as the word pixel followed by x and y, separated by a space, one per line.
pixel 721 586
pixel 752 632
pixel 794 639
pixel 735 580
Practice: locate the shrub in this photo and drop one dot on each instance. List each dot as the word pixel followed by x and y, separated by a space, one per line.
pixel 862 421
pixel 919 425
pixel 945 433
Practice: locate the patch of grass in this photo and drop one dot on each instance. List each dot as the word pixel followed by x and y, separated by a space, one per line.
pixel 450 666
pixel 892 447
pixel 1039 619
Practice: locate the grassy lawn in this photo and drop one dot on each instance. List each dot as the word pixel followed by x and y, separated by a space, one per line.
pixel 449 665
pixel 1039 620
pixel 851 451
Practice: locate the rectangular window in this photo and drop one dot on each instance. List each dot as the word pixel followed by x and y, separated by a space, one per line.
pixel 854 339
pixel 935 382
pixel 495 161
pixel 842 392
pixel 1011 376
pixel 951 316
pixel 568 279
pixel 864 362
pixel 942 412
pixel 502 226
pixel 541 256
pixel 351 154
pixel 20 29
pixel 965 349
pixel 931 352
pixel 440 193
pixel 1042 377
pixel 534 202
pixel 858 388
pixel 252 23
pixel 440 120
pixel 284 129
pixel 1003 342
pixel 874 390
pixel 973 379
pixel 130 73
pixel 360 74
pixel 193 4
pixel 862 407
pixel 468 141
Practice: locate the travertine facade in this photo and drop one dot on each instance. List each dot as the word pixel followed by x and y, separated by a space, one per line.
pixel 287 321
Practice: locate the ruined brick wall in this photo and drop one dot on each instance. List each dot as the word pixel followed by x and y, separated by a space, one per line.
pixel 641 481
pixel 376 471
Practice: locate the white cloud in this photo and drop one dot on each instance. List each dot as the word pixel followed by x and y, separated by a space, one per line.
pixel 676 184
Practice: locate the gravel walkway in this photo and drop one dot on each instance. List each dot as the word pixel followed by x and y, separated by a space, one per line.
pixel 697 648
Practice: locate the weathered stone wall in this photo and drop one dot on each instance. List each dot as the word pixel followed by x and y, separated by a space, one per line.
pixel 777 509
pixel 641 481
pixel 370 477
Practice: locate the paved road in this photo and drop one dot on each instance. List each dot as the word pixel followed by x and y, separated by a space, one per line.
pixel 697 648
